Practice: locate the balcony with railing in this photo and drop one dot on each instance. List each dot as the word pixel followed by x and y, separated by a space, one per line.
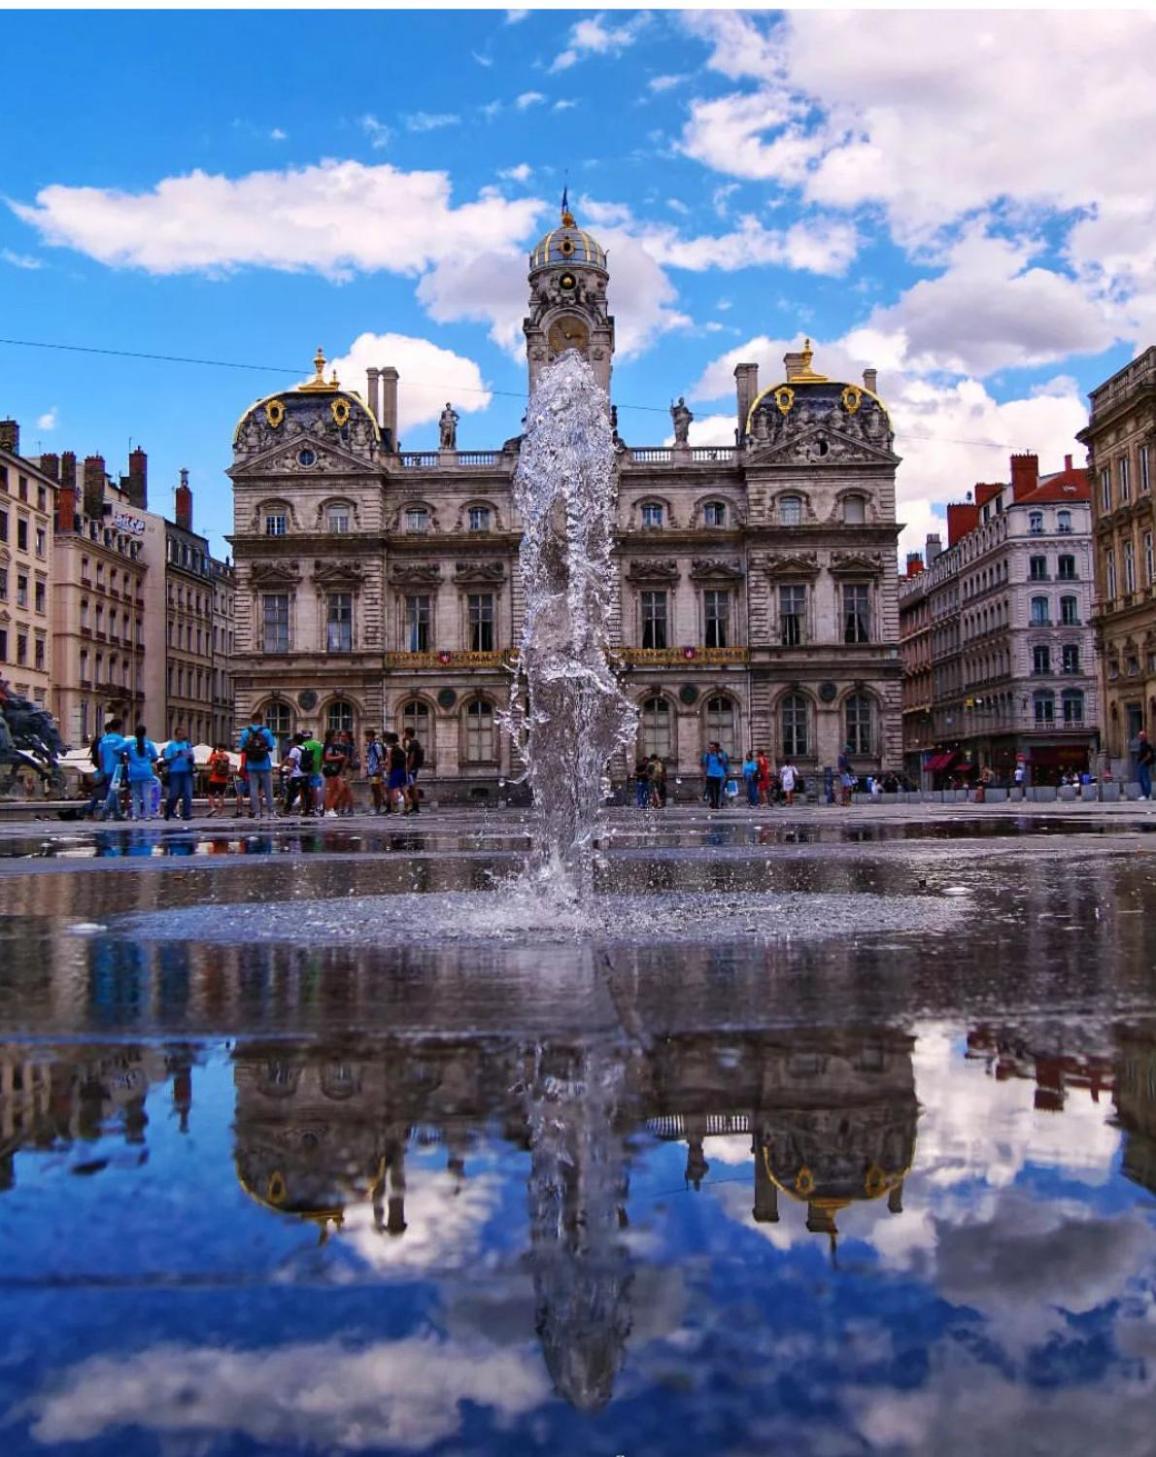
pixel 680 455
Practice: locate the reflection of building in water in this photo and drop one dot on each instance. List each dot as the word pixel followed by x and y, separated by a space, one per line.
pixel 831 1115
pixel 1007 1054
pixel 52 1099
pixel 1136 1104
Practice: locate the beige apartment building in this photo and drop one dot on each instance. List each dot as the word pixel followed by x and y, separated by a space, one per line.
pixel 1121 441
pixel 224 647
pixel 27 506
pixel 755 587
pixel 189 600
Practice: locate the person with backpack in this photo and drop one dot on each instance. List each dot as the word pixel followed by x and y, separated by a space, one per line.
pixel 312 753
pixel 220 772
pixel 414 759
pixel 374 767
pixel 178 756
pixel 397 781
pixel 110 749
pixel 333 762
pixel 140 755
pixel 257 745
pixel 296 777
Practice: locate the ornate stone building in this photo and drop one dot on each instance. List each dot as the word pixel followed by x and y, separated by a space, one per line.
pixel 757 587
pixel 1121 441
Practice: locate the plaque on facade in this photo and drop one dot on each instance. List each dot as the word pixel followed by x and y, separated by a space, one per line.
pixel 828 691
pixel 307 701
pixel 446 698
pixel 688 694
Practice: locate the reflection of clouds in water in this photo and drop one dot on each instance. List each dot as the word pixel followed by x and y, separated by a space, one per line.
pixel 400 1394
pixel 445 1217
pixel 972 1126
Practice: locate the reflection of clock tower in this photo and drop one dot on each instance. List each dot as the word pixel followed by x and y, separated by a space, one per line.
pixel 568 301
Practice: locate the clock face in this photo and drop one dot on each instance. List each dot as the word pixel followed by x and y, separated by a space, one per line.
pixel 568 334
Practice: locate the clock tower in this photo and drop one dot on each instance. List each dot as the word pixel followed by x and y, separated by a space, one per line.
pixel 568 281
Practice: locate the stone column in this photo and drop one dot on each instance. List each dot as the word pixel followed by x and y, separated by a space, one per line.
pixel 746 392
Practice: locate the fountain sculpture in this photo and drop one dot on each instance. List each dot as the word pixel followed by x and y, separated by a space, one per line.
pixel 567 713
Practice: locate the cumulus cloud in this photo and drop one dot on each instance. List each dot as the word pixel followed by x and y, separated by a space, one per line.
pixel 528 99
pixel 48 421
pixel 521 173
pixel 429 375
pixel 593 37
pixel 336 218
pixel 666 83
pixel 320 1394
pixel 485 288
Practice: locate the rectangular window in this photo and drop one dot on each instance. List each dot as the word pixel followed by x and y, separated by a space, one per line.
pixel 21 650
pixel 339 622
pixel 339 520
pixel 480 615
pixel 717 618
pixel 38 654
pixel 1045 709
pixel 1038 569
pixel 275 622
pixel 41 498
pixel 1040 617
pixel 39 596
pixel 276 524
pixel 856 612
pixel 1110 573
pixel 41 541
pixel 792 616
pixel 654 620
pixel 1106 489
pixel 1066 569
pixel 1070 659
pixel 1148 562
pixel 417 624
pixel 3 644
pixel 652 515
pixel 3 525
pixel 479 518
pixel 1041 660
pixel 1129 567
pixel 1145 471
pixel 1073 707
pixel 1122 475
pixel 22 535
pixel 1069 612
pixel 21 589
pixel 3 584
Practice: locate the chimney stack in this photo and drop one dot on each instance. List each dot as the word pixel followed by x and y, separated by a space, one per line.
pixel 138 479
pixel 184 503
pixel 10 436
pixel 389 379
pixel 1067 462
pixel 371 377
pixel 933 548
pixel 66 498
pixel 914 563
pixel 871 380
pixel 68 470
pixel 1025 474
pixel 746 392
pixel 94 478
pixel 50 466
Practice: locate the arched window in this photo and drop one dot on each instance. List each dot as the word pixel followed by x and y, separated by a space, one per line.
pixel 338 518
pixel 858 722
pixel 339 716
pixel 1064 522
pixel 480 732
pixel 854 511
pixel 415 716
pixel 1036 522
pixel 714 513
pixel 791 510
pixel 794 720
pixel 720 723
pixel 416 520
pixel 279 721
pixel 479 518
pixel 1073 703
pixel 1045 707
pixel 1039 612
pixel 652 513
pixel 657 730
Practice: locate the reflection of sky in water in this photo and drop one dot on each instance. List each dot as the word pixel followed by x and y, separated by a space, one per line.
pixel 150 1300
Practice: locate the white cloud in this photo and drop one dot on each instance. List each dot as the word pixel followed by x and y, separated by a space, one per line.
pixel 490 109
pixel 563 105
pixel 20 260
pixel 486 61
pixel 430 121
pixel 528 99
pixel 521 173
pixel 318 1394
pixel 593 37
pixel 336 218
pixel 277 135
pixel 678 206
pixel 515 17
pixel 378 133
pixel 487 287
pixel 48 421
pixel 666 83
pixel 429 376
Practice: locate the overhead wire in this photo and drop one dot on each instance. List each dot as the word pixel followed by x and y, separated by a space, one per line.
pixel 461 389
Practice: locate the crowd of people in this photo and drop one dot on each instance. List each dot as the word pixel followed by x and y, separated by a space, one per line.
pixel 133 779
pixel 754 781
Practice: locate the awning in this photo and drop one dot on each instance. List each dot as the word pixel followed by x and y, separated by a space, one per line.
pixel 939 762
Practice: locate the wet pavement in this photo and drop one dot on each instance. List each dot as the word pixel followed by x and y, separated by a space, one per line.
pixel 832 1130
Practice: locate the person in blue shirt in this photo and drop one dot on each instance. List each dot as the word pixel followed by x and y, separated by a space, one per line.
pixel 140 756
pixel 751 778
pixel 179 758
pixel 257 745
pixel 715 766
pixel 109 750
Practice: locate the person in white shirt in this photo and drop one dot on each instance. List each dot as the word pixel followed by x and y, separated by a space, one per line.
pixel 788 778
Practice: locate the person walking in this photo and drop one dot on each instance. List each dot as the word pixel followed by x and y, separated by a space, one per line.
pixel 111 749
pixel 374 767
pixel 1145 758
pixel 220 772
pixel 140 756
pixel 397 775
pixel 178 756
pixel 333 760
pixel 789 778
pixel 715 767
pixel 642 784
pixel 296 782
pixel 257 744
pixel 846 775
pixel 348 769
pixel 312 753
pixel 763 776
pixel 751 779
pixel 414 760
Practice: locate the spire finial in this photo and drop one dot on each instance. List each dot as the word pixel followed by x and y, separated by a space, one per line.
pixel 567 215
pixel 319 363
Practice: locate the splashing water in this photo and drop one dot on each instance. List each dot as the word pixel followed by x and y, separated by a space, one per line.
pixel 567 713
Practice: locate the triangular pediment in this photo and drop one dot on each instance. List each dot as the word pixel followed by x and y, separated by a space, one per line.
pixel 274 574
pixel 652 570
pixel 819 445
pixel 481 573
pixel 338 573
pixel 280 459
pixel 704 569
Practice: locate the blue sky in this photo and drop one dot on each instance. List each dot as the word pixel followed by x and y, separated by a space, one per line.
pixel 962 201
